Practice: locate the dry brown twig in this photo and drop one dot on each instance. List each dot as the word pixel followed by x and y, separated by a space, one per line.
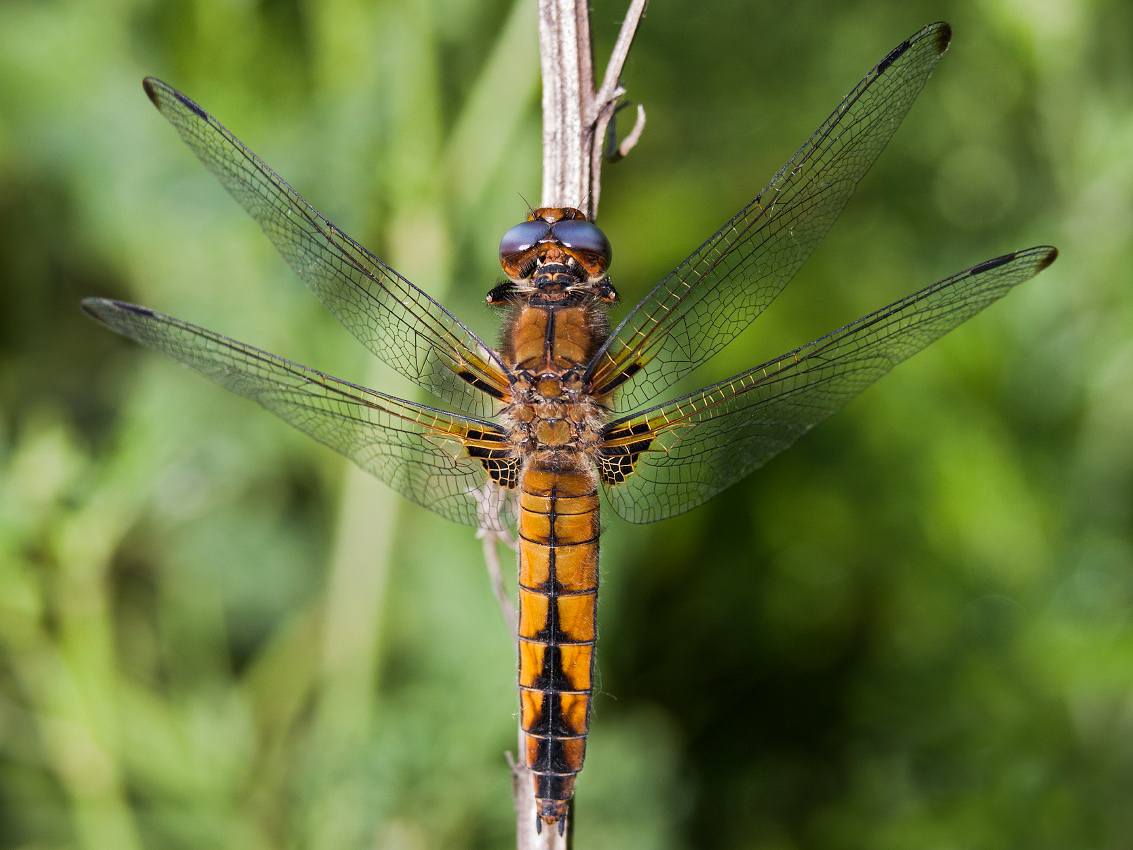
pixel 576 122
pixel 575 116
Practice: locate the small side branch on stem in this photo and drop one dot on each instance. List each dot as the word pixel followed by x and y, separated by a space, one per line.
pixel 575 116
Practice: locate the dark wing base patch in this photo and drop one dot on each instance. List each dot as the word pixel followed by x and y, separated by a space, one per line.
pixel 501 464
pixel 618 455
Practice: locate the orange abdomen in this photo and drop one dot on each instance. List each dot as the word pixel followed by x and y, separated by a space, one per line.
pixel 558 597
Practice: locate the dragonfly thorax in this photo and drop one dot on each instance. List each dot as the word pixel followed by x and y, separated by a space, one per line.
pixel 556 262
pixel 551 412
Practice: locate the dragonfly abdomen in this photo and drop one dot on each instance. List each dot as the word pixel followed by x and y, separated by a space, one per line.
pixel 558 597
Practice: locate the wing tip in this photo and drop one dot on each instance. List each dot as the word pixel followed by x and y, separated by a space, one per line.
pixel 97 308
pixel 158 92
pixel 100 308
pixel 153 88
pixel 1047 259
pixel 940 33
pixel 1042 256
pixel 942 37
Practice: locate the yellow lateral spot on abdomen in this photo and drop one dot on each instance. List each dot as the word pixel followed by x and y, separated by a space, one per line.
pixel 533 609
pixel 531 704
pixel 534 564
pixel 575 712
pixel 576 617
pixel 530 662
pixel 576 567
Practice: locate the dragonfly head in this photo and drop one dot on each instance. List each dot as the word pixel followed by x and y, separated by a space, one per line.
pixel 560 236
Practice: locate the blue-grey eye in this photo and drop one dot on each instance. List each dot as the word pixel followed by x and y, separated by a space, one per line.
pixel 522 238
pixel 582 237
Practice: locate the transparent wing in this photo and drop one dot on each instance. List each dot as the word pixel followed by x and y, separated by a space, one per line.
pixel 716 293
pixel 422 453
pixel 392 317
pixel 669 459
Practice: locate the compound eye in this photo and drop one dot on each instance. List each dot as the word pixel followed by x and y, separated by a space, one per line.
pixel 586 242
pixel 521 238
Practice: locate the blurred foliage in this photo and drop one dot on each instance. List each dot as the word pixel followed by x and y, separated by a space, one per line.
pixel 911 630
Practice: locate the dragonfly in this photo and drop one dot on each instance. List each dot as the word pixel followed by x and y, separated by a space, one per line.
pixel 527 433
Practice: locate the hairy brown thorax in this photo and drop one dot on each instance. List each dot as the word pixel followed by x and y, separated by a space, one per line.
pixel 547 343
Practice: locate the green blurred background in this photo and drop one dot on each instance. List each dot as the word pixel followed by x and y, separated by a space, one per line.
pixel 910 631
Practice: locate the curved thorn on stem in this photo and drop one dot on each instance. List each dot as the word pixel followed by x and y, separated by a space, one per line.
pixel 613 154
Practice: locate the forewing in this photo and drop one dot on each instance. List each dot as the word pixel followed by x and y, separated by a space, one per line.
pixel 424 454
pixel 716 293
pixel 667 460
pixel 392 317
